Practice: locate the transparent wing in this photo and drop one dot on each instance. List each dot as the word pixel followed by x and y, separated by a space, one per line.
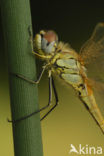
pixel 94 47
pixel 92 53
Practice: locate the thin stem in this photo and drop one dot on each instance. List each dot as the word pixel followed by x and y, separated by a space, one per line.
pixel 16 19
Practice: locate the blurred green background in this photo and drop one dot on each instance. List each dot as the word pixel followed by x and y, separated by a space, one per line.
pixel 69 123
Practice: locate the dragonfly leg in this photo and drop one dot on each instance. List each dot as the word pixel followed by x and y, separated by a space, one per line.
pixel 56 98
pixel 29 80
pixel 33 113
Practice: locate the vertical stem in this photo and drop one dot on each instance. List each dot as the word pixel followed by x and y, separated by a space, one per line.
pixel 16 19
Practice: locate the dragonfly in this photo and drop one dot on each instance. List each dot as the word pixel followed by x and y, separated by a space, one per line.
pixel 61 59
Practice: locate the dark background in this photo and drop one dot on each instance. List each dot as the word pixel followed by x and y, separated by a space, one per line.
pixel 72 20
pixel 70 123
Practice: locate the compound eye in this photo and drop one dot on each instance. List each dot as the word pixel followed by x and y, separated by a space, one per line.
pixel 47 47
pixel 48 41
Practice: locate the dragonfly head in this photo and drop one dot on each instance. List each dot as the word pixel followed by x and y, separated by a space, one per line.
pixel 46 42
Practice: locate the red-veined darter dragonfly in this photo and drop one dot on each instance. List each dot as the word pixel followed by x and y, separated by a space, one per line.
pixel 70 66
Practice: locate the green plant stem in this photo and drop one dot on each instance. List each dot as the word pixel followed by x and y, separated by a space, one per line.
pixel 16 19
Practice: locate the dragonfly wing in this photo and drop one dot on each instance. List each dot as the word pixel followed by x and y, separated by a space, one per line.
pixel 92 53
pixel 94 47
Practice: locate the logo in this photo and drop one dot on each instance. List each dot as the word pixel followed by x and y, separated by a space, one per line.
pixel 86 150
